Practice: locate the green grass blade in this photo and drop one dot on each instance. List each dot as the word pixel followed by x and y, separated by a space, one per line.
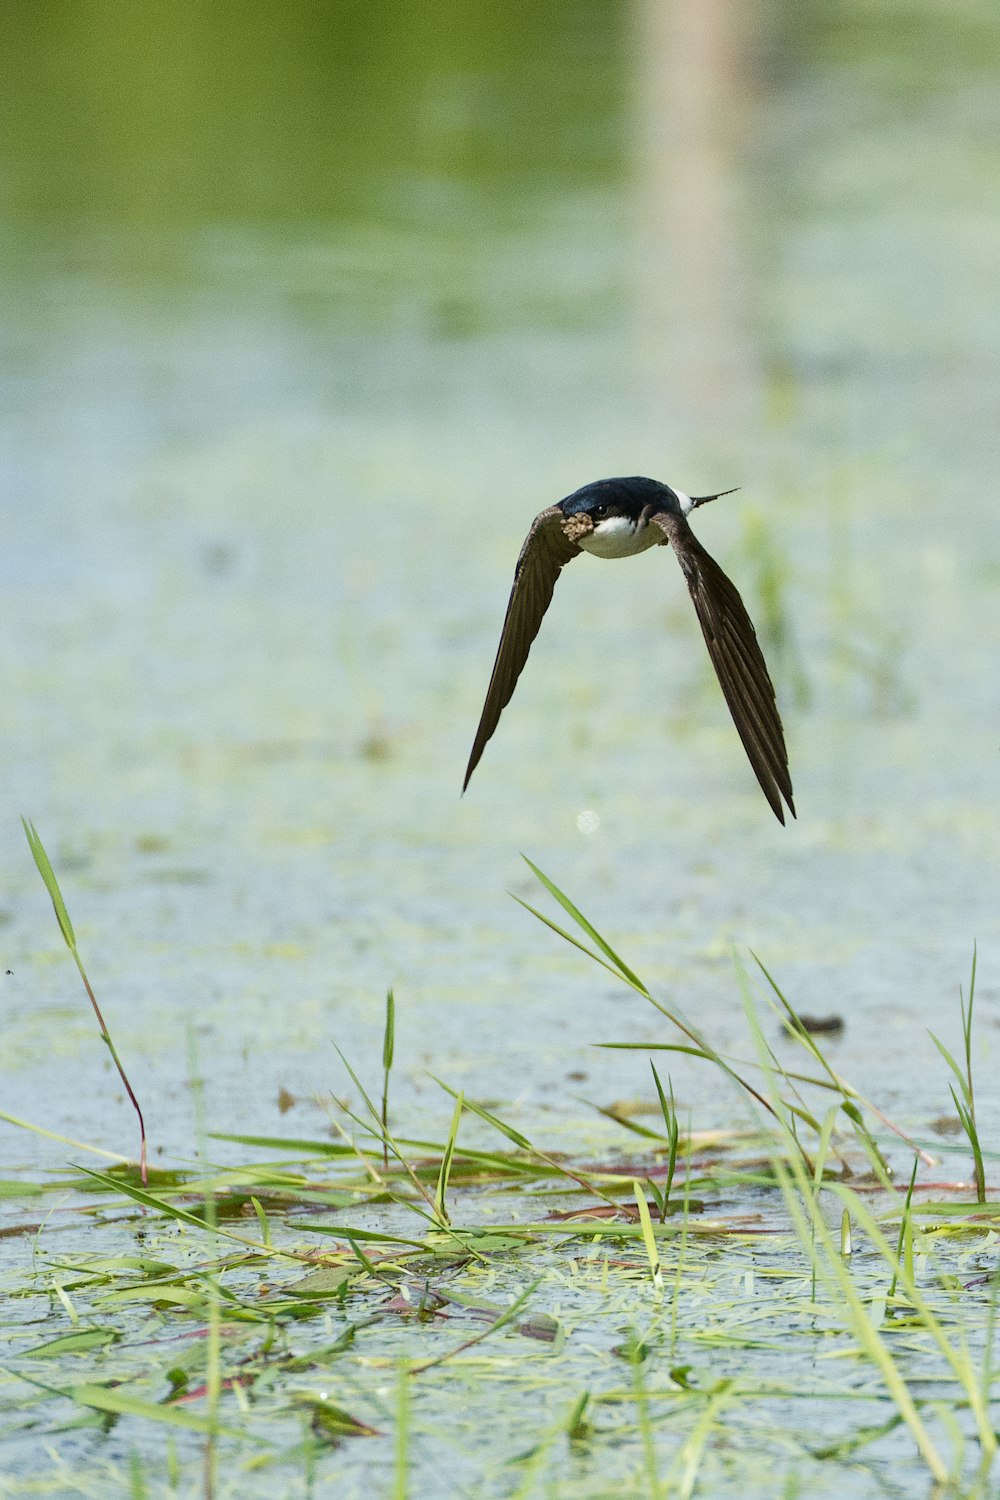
pixel 369 1104
pixel 48 875
pixel 953 1065
pixel 388 1050
pixel 119 1402
pixel 905 1234
pixel 568 937
pixel 389 1037
pixel 507 1316
pixel 648 1237
pixel 265 1228
pixel 477 1109
pixel 581 921
pixel 620 968
pixel 444 1171
pixel 401 1455
pixel 967 1017
pixel 66 1140
pixel 669 1112
pixel 171 1211
pixel 66 928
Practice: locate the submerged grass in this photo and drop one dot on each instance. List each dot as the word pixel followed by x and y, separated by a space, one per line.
pixel 686 1315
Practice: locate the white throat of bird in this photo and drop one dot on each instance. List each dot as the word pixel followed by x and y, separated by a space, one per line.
pixel 620 536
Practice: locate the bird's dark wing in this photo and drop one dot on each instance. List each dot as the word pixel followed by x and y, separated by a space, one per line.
pixel 546 551
pixel 736 657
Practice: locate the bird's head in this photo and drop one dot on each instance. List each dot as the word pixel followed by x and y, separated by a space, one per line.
pixel 607 499
pixel 610 516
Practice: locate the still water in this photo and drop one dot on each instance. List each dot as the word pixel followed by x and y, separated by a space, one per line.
pixel 305 317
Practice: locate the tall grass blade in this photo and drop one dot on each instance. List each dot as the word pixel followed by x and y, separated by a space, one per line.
pixel 444 1171
pixel 592 932
pixel 905 1241
pixel 959 1364
pixel 965 1107
pixel 848 1094
pixel 953 1065
pixel 972 1132
pixel 815 1235
pixel 44 866
pixel 648 1237
pixel 67 1140
pixel 388 1049
pixel 619 967
pixel 669 1112
pixel 48 875
pixel 645 1427
pixel 401 1457
pixel 522 1142
pixel 846 1242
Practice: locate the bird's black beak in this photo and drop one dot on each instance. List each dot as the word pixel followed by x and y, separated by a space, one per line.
pixel 704 499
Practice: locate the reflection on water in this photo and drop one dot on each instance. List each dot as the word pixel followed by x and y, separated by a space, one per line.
pixel 309 314
pixel 695 104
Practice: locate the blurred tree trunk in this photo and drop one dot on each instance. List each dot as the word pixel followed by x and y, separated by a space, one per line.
pixel 695 62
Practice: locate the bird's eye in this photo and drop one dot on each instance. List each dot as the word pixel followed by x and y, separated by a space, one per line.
pixel 599 511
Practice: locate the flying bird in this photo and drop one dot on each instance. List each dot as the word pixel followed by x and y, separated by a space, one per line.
pixel 618 518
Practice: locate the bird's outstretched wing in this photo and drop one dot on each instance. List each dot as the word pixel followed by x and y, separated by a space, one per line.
pixel 546 550
pixel 736 657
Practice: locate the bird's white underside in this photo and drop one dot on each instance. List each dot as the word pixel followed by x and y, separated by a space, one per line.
pixel 618 536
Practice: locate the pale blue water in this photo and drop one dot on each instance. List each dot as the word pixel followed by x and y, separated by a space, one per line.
pixel 265 476
pixel 298 336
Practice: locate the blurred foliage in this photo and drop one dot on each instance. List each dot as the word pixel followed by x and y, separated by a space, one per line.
pixel 911 46
pixel 176 112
